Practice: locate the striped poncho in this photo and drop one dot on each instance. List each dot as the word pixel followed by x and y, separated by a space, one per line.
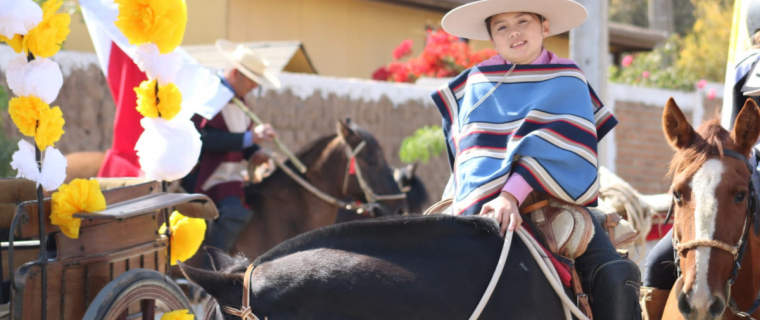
pixel 543 122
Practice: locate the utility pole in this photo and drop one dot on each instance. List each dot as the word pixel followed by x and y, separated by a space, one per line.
pixel 589 48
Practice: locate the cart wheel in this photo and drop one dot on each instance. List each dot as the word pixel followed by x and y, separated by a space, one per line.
pixel 153 291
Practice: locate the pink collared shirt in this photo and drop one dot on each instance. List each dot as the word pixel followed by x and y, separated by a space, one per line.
pixel 516 184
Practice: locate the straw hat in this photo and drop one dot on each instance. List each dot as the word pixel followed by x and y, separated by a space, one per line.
pixel 468 21
pixel 249 63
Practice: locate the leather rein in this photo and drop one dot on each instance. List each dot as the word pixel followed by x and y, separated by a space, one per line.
pixel 352 168
pixel 737 250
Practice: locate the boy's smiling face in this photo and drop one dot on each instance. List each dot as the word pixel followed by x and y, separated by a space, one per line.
pixel 518 36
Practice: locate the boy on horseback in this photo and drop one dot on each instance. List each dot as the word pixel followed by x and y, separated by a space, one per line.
pixel 228 140
pixel 523 126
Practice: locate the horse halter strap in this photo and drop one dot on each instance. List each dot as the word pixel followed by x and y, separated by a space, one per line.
pixel 244 312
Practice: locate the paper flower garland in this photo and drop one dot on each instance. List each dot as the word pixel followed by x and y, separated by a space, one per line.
pixel 53 166
pixel 46 37
pixel 18 17
pixel 41 78
pixel 187 236
pixel 37 33
pixel 155 101
pixel 35 118
pixel 170 145
pixel 153 21
pixel 78 196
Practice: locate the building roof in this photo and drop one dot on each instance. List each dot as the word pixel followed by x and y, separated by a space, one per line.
pixel 628 38
pixel 289 56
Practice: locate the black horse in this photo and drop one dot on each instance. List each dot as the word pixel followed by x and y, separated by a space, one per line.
pixel 412 267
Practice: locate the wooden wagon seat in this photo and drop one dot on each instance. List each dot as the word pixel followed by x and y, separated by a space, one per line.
pixel 126 198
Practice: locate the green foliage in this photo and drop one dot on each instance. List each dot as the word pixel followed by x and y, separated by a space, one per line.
pixel 633 12
pixel 651 69
pixel 422 144
pixel 7 146
pixel 705 50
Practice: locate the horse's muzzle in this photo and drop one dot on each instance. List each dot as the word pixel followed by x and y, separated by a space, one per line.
pixel 713 311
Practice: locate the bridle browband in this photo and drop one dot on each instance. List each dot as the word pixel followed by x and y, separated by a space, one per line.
pixel 737 250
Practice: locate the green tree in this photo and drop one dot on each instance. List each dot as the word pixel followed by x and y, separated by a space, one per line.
pixel 633 12
pixel 425 142
pixel 7 145
pixel 705 50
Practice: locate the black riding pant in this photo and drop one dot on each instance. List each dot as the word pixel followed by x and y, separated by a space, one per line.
pixel 224 231
pixel 661 269
pixel 611 281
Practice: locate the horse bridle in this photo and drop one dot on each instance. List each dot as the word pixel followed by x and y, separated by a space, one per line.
pixel 352 168
pixel 245 311
pixel 736 250
pixel 370 195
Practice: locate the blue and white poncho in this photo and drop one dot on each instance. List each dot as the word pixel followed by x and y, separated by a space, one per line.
pixel 543 122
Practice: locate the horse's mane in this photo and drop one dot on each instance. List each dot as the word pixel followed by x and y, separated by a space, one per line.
pixel 710 140
pixel 407 229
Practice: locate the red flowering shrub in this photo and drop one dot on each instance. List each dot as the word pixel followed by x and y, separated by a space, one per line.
pixel 444 56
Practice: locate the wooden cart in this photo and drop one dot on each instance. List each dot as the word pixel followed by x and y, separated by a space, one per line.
pixel 116 269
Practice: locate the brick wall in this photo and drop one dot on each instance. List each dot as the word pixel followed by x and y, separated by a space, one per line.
pixel 642 154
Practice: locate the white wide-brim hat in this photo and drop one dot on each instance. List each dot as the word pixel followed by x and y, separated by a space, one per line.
pixel 469 20
pixel 249 63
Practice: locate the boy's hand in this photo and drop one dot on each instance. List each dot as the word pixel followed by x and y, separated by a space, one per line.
pixel 504 208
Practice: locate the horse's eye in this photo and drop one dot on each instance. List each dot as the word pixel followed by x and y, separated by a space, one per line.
pixel 740 197
pixel 677 197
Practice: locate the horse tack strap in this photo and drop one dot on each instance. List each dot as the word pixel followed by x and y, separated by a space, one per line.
pixel 581 298
pixel 534 207
pixel 244 312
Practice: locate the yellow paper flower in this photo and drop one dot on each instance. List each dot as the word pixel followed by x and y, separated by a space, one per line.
pixel 169 100
pixel 17 43
pixel 50 128
pixel 78 196
pixel 178 315
pixel 159 21
pixel 47 37
pixel 25 112
pixel 187 236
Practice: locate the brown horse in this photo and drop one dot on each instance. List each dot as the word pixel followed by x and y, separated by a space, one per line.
pixel 712 203
pixel 283 209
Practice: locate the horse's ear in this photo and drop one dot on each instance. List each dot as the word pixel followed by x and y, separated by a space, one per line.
pixel 219 259
pixel 225 288
pixel 410 169
pixel 344 128
pixel 677 129
pixel 747 127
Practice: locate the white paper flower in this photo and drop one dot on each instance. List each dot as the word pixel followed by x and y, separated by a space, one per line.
pixel 18 17
pixel 168 150
pixel 41 78
pixel 53 166
pixel 53 169
pixel 16 75
pixel 162 67
pixel 24 162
